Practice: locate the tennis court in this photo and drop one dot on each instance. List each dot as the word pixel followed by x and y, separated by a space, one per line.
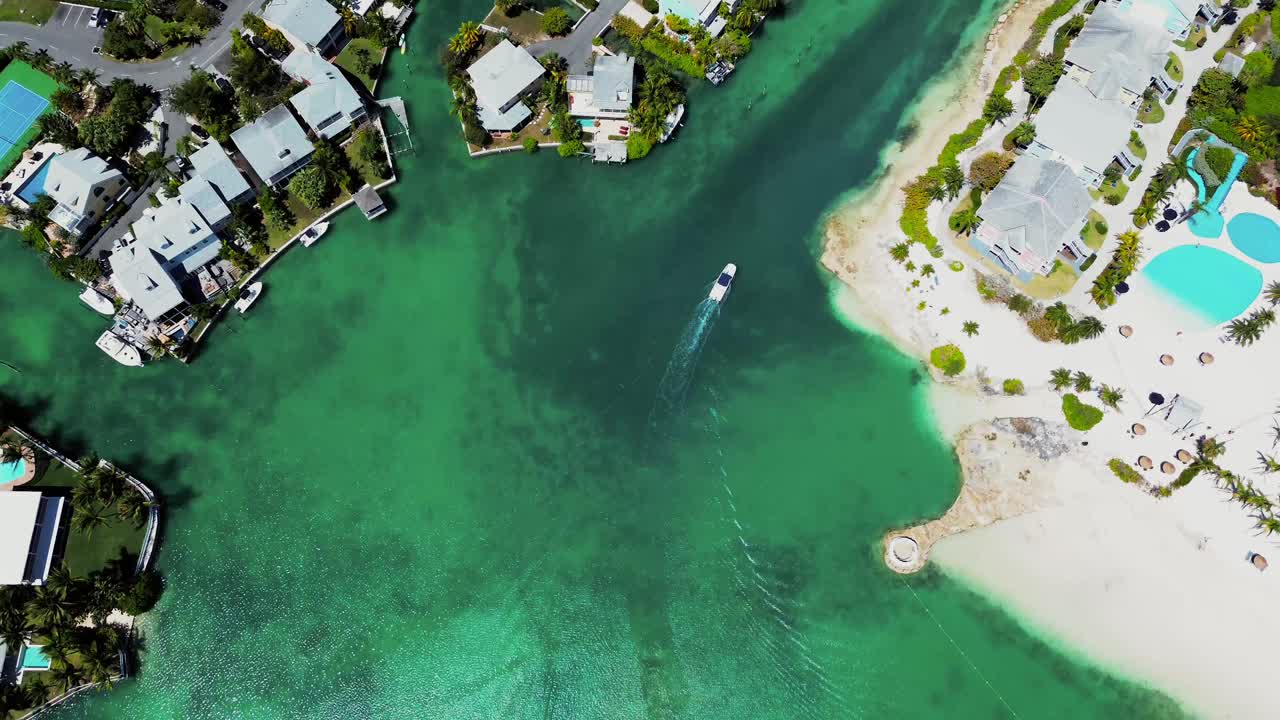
pixel 24 97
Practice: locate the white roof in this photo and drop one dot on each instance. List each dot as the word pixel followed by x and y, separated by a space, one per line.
pixel 201 195
pixel 137 275
pixel 1037 206
pixel 329 94
pixel 502 74
pixel 18 513
pixel 1231 64
pixel 212 163
pixel 1121 50
pixel 305 65
pixel 273 142
pixel 636 12
pixel 74 175
pixel 178 234
pixel 308 20
pixel 1083 128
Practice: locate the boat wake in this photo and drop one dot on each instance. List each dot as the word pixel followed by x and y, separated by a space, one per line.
pixel 674 387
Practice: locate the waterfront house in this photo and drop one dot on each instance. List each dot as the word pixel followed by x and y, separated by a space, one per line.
pixel 165 246
pixel 274 145
pixel 500 79
pixel 313 24
pixel 1034 215
pixel 329 104
pixel 1119 56
pixel 1177 17
pixel 84 187
pixel 201 195
pixel 30 525
pixel 212 163
pixel 1083 131
pixel 699 12
pixel 607 92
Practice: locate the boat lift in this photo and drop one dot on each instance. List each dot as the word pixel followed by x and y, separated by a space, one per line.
pixel 401 117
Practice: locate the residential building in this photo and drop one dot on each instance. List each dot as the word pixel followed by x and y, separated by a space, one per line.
pixel 369 202
pixel 607 92
pixel 1119 56
pixel 1083 131
pixel 30 525
pixel 212 163
pixel 84 187
pixel 1177 17
pixel 274 145
pixel 1034 215
pixel 166 245
pixel 500 79
pixel 330 103
pixel 201 195
pixel 313 24
pixel 699 12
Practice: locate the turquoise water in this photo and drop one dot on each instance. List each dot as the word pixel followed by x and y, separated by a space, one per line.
pixel 33 188
pixel 1206 280
pixel 587 122
pixel 1208 222
pixel 12 471
pixel 1257 236
pixel 33 658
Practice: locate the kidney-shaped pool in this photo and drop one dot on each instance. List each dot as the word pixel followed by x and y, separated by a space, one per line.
pixel 1257 236
pixel 1208 281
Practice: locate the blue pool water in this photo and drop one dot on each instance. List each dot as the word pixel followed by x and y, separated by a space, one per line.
pixel 33 658
pixel 1206 280
pixel 1257 236
pixel 587 123
pixel 1208 222
pixel 34 186
pixel 12 471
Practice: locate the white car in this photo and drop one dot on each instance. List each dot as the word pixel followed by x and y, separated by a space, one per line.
pixel 721 288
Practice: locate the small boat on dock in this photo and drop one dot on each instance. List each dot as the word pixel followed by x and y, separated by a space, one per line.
pixel 402 45
pixel 99 302
pixel 119 350
pixel 313 233
pixel 248 297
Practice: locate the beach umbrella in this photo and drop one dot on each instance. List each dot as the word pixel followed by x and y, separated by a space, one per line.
pixel 1144 462
pixel 1156 398
pixel 1184 457
pixel 1170 213
pixel 1206 358
pixel 1122 288
pixel 1126 330
pixel 1258 561
pixel 1167 467
pixel 1166 359
pixel 1162 226
pixel 1139 429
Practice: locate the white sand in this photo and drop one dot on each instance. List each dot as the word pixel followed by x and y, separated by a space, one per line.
pixel 1103 568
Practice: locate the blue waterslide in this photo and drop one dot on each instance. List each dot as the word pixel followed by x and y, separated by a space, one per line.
pixel 1208 222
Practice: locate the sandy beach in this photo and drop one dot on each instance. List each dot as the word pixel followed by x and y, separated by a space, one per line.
pixel 1157 590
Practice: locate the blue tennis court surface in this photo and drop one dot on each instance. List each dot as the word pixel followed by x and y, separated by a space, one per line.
pixel 19 108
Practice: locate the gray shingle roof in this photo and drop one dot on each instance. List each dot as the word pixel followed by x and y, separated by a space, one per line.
pixel 273 142
pixel 1083 128
pixel 1121 50
pixel 1037 206
pixel 307 20
pixel 212 163
pixel 502 74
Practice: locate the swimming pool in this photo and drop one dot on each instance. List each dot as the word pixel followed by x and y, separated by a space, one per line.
pixel 1257 236
pixel 34 186
pixel 12 471
pixel 1206 280
pixel 587 123
pixel 33 658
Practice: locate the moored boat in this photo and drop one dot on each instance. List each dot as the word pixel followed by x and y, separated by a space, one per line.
pixel 248 297
pixel 313 233
pixel 119 350
pixel 99 302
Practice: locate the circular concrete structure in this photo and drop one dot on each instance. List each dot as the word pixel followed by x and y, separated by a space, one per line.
pixel 903 555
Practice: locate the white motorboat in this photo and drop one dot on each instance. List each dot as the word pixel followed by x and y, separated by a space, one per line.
pixel 721 288
pixel 119 350
pixel 99 302
pixel 248 297
pixel 313 234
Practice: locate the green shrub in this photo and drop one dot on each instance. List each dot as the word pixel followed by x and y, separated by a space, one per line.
pixel 571 148
pixel 1262 101
pixel 555 21
pixel 530 145
pixel 638 146
pixel 947 358
pixel 1219 160
pixel 1014 386
pixel 1185 477
pixel 1079 415
pixel 956 266
pixel 1124 472
pixel 674 53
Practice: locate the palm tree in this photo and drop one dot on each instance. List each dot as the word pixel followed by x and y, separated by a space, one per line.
pixel 1082 381
pixel 1110 396
pixel 1272 293
pixel 1251 129
pixel 86 520
pixel 86 76
pixel 21 50
pixel 1060 378
pixel 954 179
pixel 1144 214
pixel 1024 134
pixel 970 328
pixel 910 266
pixel 1264 317
pixel 926 269
pixel 1243 331
pixel 1129 251
pixel 156 346
pixel 1271 524
pixel 1210 449
pixel 1059 315
pixel 48 609
pixel 1088 327
pixel 1267 464
pixel 41 58
pixel 900 252
pixel 66 676
pixel 471 33
pixel 133 508
pixel 937 192
pixel 463 106
pixel 36 688
pixel 966 221
pixel 12 450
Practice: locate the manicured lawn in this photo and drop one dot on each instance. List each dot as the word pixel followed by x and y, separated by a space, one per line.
pixel 1120 190
pixel 541 120
pixel 1138 151
pixel 365 170
pixel 1090 235
pixel 1059 282
pixel 35 12
pixel 1190 43
pixel 1174 68
pixel 1151 113
pixel 525 27
pixel 347 60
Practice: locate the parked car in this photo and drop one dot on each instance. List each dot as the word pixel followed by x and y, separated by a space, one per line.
pixel 223 84
pixel 217 4
pixel 199 132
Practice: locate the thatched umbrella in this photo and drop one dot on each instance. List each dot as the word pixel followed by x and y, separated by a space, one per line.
pixel 1185 457
pixel 1139 429
pixel 1167 467
pixel 1206 358
pixel 1258 562
pixel 1166 359
pixel 1144 462
pixel 1126 330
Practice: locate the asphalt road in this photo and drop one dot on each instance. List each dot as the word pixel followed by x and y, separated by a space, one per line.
pixel 575 47
pixel 67 36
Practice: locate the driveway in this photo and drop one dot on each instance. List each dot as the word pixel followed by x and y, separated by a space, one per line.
pixel 576 46
pixel 67 37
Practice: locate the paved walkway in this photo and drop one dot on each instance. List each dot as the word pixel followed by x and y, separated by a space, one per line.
pixel 576 46
pixel 76 47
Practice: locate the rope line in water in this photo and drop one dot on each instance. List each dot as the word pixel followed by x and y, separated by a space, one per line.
pixel 960 650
